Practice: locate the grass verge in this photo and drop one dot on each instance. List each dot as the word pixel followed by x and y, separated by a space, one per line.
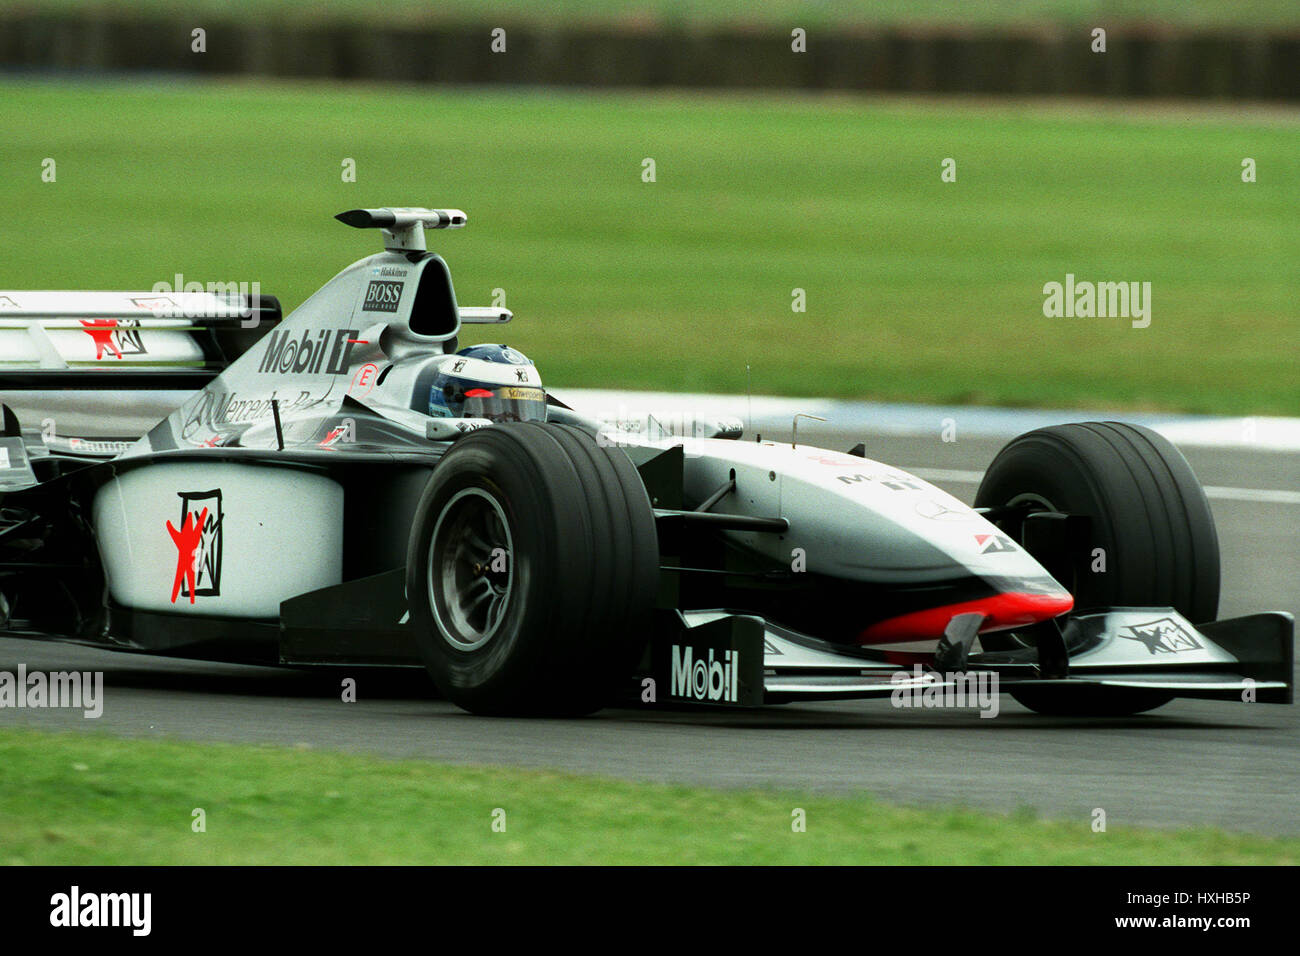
pixel 702 13
pixel 91 799
pixel 915 289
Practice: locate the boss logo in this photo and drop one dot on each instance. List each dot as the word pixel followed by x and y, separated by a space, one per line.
pixel 382 296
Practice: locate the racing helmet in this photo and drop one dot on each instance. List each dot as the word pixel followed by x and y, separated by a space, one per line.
pixel 487 381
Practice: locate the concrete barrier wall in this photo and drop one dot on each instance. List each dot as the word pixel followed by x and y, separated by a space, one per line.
pixel 1148 63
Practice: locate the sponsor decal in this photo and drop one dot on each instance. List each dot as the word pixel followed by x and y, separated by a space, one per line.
pixel 118 336
pixel 198 543
pixel 127 337
pixel 363 380
pixel 718 679
pixel 214 409
pixel 939 511
pixel 458 365
pixel 92 447
pixel 833 460
pixel 382 296
pixel 155 303
pixel 1163 636
pixel 319 351
pixel 994 543
pixel 101 332
pixel 514 392
pixel 7 303
pixel 332 438
pixel 890 481
pixel 521 375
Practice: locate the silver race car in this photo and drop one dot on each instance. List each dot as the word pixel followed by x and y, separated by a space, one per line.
pixel 188 473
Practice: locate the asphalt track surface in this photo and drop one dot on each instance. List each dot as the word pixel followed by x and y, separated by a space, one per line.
pixel 1232 765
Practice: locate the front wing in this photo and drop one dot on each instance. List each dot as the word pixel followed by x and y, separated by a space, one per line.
pixel 731 659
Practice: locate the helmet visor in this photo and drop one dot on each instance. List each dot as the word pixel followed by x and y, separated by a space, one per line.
pixel 505 403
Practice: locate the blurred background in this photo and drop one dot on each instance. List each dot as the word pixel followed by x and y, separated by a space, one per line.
pixel 655 187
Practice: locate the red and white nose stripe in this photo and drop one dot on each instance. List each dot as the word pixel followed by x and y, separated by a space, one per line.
pixel 1001 612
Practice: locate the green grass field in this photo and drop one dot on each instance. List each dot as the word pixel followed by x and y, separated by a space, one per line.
pixel 916 289
pixel 92 799
pixel 1253 14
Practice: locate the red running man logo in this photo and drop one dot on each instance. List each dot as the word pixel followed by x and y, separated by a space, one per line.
pixel 101 331
pixel 187 545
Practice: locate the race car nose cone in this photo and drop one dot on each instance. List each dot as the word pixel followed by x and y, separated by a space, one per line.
pixel 1001 612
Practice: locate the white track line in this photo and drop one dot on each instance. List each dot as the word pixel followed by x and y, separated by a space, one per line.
pixel 765 413
pixel 1254 495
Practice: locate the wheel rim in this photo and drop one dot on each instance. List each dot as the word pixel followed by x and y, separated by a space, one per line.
pixel 471 569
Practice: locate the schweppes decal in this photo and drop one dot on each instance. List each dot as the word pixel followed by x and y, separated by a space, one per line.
pixel 323 352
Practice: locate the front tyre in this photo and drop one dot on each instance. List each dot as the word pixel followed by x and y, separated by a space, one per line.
pixel 1153 542
pixel 532 570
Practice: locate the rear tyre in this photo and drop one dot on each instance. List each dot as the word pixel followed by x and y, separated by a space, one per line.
pixel 532 570
pixel 1147 514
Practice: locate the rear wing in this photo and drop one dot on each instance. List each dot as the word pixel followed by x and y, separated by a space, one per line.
pixel 123 340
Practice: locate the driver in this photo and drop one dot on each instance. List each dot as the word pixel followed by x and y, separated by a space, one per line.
pixel 488 381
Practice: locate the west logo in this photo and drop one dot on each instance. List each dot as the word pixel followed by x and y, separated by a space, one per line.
pixel 382 296
pixel 1164 636
pixel 325 351
pixel 116 336
pixel 198 543
pixel 714 681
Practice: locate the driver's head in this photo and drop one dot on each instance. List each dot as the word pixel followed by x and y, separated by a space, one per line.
pixel 488 381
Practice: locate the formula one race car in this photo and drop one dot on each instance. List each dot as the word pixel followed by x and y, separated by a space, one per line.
pixel 348 486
